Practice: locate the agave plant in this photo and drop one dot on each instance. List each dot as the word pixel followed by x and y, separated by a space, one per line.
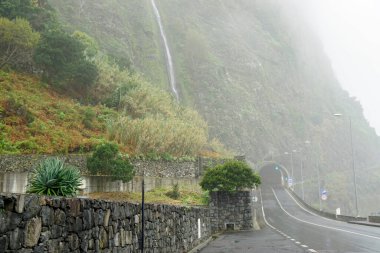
pixel 52 177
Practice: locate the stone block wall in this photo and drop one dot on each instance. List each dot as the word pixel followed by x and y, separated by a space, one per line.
pixel 171 169
pixel 29 223
pixel 25 163
pixel 231 211
pixel 375 219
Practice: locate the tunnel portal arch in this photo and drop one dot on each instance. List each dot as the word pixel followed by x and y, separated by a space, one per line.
pixel 273 173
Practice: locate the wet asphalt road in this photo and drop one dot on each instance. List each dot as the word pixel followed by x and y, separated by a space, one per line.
pixel 296 230
pixel 318 233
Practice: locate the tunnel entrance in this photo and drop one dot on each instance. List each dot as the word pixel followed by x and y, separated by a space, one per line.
pixel 272 175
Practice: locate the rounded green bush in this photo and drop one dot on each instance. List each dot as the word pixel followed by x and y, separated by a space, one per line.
pixel 52 177
pixel 230 176
pixel 106 160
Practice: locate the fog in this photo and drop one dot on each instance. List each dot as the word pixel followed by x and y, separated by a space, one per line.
pixel 349 31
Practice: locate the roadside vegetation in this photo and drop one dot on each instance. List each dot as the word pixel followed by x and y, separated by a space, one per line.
pixel 230 177
pixel 107 160
pixel 53 177
pixel 188 197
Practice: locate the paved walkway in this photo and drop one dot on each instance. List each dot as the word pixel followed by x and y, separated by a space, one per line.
pixel 263 241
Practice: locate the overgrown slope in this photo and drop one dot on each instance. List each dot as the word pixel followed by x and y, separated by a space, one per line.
pixel 35 119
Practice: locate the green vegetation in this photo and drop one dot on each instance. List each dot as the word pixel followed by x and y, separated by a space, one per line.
pixel 174 193
pixel 188 197
pixel 141 118
pixel 63 62
pixel 35 119
pixel 253 69
pixel 17 41
pixel 52 177
pixel 242 65
pixel 230 176
pixel 106 160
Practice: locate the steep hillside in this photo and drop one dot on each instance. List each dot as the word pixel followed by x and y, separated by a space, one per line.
pixel 126 30
pixel 35 119
pixel 254 70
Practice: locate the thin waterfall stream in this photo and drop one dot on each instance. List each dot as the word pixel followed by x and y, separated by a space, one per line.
pixel 169 61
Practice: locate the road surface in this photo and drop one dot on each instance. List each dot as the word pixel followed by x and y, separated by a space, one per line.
pixel 291 228
pixel 315 233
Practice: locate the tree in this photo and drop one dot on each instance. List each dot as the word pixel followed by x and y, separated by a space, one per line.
pixel 91 47
pixel 62 59
pixel 106 160
pixel 37 12
pixel 230 176
pixel 17 42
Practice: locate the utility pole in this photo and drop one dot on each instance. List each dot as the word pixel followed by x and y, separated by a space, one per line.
pixel 303 192
pixel 291 163
pixel 319 188
pixel 352 163
pixel 353 170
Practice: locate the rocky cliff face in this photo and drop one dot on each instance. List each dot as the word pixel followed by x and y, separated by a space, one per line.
pixel 253 68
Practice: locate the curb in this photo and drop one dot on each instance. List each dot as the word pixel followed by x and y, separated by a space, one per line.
pixel 370 224
pixel 204 244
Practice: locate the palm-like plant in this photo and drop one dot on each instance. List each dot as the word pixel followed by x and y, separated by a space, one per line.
pixel 52 177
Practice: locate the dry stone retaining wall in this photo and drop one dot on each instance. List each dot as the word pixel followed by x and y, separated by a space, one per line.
pixel 29 223
pixel 171 169
pixel 231 211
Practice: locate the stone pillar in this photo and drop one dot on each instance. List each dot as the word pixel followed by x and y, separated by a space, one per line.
pixel 231 211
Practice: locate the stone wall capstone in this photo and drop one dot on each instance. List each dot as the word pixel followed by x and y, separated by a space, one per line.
pixel 30 223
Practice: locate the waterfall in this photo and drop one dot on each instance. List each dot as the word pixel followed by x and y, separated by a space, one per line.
pixel 169 61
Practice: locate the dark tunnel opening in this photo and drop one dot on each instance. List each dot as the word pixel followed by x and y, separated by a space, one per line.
pixel 271 175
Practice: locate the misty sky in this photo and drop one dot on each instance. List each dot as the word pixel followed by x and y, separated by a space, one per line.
pixel 350 33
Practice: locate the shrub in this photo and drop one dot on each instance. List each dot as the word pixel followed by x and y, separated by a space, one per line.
pixel 14 107
pixel 205 198
pixel 174 193
pixel 89 117
pixel 231 176
pixel 52 177
pixel 106 160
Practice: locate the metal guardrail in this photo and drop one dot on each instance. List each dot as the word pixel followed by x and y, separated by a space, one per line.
pixel 328 215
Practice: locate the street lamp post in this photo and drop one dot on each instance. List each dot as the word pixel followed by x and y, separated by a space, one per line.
pixel 307 142
pixel 319 188
pixel 352 163
pixel 291 164
pixel 291 157
pixel 303 192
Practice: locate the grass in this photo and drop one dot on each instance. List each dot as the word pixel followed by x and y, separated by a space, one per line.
pixel 187 197
pixel 35 119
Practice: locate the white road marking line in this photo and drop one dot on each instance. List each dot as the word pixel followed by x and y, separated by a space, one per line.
pixel 311 250
pixel 265 220
pixel 298 243
pixel 304 246
pixel 262 207
pixel 292 239
pixel 318 225
pixel 287 191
